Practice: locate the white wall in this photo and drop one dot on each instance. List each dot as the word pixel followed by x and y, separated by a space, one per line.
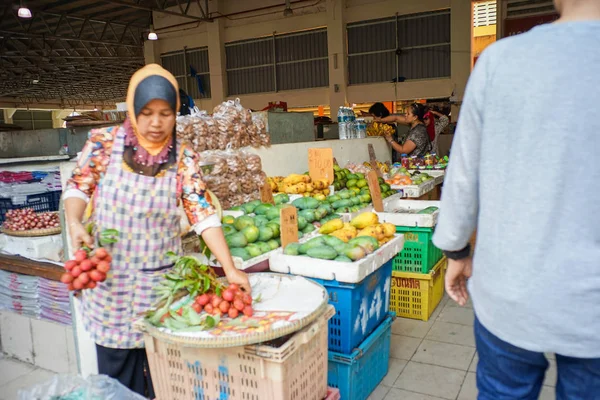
pixel 326 13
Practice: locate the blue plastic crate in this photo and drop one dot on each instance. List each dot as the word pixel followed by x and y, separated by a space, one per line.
pixel 360 308
pixel 358 374
pixel 42 202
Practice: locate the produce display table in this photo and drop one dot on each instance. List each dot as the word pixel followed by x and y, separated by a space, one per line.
pixel 25 266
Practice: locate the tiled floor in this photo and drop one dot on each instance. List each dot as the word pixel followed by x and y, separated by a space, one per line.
pixel 16 375
pixel 430 360
pixel 436 359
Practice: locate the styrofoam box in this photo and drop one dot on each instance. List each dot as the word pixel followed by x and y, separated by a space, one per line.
pixel 335 270
pixel 416 190
pixel 391 215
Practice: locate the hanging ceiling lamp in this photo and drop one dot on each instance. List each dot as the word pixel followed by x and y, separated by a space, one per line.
pixel 23 12
pixel 152 35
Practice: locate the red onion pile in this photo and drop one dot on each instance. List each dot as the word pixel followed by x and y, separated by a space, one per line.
pixel 26 219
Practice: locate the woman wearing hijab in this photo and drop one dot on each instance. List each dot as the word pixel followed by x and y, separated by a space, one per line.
pixel 136 175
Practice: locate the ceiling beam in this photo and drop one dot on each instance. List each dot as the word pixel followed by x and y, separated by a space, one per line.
pixel 162 10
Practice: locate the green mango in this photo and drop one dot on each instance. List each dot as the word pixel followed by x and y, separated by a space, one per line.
pixel 302 222
pixel 344 195
pixel 275 228
pixel 369 243
pixel 264 247
pixel 314 242
pixel 254 250
pixel 236 240
pixel 292 249
pixel 242 222
pixel 241 253
pixel 365 198
pixel 262 208
pixel 251 233
pixel 248 208
pixel 333 241
pixel 323 252
pixel 265 234
pixel 238 208
pixel 333 199
pixel 276 221
pixel 352 176
pixel 360 176
pixel 342 259
pixel 342 203
pixel 281 198
pixel 343 210
pixel 272 213
pixel 384 187
pixel 309 228
pixel 355 252
pixel 326 206
pixel 320 213
pixel 305 203
pixel 228 229
pixel 260 220
pixel 355 201
pixel 308 215
pixel 273 244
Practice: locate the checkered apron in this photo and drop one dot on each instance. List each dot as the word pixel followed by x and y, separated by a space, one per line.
pixel 144 211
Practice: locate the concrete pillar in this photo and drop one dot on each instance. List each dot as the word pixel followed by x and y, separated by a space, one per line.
pixel 216 57
pixel 8 115
pixel 461 26
pixel 336 45
pixel 57 117
pixel 151 53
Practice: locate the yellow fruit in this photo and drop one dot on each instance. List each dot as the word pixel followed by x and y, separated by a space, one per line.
pixel 385 240
pixel 371 231
pixel 364 220
pixel 388 229
pixel 309 187
pixel 319 196
pixel 331 226
pixel 293 179
pixel 326 192
pixel 228 219
pixel 290 189
pixel 301 187
pixel 306 178
pixel 343 235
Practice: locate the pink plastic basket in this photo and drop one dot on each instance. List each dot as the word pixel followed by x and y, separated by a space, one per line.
pixel 294 370
pixel 333 394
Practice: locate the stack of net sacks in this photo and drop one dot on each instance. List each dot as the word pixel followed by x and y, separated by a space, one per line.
pixel 235 178
pixel 20 294
pixel 230 127
pixel 54 301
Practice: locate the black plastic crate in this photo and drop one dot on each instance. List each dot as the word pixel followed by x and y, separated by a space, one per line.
pixel 42 202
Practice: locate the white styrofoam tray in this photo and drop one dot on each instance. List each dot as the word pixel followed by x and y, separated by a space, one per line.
pixel 353 272
pixel 415 191
pixel 393 213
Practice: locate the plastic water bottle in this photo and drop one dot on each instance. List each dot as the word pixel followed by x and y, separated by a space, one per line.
pixel 343 123
pixel 360 129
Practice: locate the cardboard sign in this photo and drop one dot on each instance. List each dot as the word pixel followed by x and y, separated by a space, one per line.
pixel 373 160
pixel 289 225
pixel 375 191
pixel 266 194
pixel 320 164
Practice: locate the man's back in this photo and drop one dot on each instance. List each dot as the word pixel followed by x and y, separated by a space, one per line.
pixel 529 134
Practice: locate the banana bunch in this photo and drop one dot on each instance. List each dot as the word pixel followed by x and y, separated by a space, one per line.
pixel 294 179
pixel 379 129
pixel 274 181
pixel 383 167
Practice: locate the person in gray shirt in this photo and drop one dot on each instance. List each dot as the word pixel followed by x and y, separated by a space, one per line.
pixel 530 185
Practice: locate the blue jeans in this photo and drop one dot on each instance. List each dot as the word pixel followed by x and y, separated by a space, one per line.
pixel 506 372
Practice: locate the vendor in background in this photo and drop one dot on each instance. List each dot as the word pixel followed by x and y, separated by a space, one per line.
pixel 417 142
pixel 187 103
pixel 380 113
pixel 137 174
pixel 439 122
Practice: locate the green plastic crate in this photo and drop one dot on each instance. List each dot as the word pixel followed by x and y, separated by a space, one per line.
pixel 419 254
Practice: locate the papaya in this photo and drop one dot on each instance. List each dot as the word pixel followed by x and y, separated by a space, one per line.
pixel 228 229
pixel 260 220
pixel 281 198
pixel 323 252
pixel 264 247
pixel 248 208
pixel 273 244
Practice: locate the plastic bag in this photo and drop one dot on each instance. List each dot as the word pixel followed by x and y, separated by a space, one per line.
pixel 73 387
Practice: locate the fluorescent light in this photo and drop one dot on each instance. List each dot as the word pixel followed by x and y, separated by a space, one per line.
pixel 152 35
pixel 24 12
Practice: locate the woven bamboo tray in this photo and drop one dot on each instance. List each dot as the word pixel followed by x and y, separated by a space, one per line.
pixel 256 280
pixel 33 232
